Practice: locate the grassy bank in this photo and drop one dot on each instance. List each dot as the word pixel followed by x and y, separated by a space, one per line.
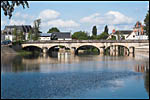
pixel 23 52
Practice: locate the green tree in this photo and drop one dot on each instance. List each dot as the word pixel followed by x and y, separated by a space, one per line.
pixel 8 6
pixel 36 29
pixel 30 34
pixel 146 22
pixel 103 36
pixel 113 38
pixel 15 34
pixel 106 29
pixel 93 37
pixel 94 31
pixel 53 29
pixel 80 35
pixel 22 36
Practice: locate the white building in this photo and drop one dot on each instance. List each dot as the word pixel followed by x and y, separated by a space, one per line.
pixel 8 31
pixel 61 35
pixel 120 34
pixel 136 34
pixel 45 36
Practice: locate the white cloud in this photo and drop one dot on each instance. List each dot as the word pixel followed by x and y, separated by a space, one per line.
pixel 23 15
pixel 120 27
pixel 60 23
pixel 91 19
pixel 50 18
pixel 114 20
pixel 3 23
pixel 48 14
pixel 118 18
pixel 17 22
pixel 111 17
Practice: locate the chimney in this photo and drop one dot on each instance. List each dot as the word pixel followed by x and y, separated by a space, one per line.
pixel 113 31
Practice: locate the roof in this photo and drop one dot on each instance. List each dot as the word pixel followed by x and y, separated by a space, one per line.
pixel 62 34
pixel 124 31
pixel 45 34
pixel 24 28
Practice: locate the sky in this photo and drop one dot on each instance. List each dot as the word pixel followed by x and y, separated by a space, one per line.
pixel 73 16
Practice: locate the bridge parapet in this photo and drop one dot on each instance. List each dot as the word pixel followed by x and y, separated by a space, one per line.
pixel 90 41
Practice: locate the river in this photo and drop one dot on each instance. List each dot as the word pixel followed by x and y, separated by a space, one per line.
pixel 70 76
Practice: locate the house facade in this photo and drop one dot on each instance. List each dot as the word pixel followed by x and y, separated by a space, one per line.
pixel 8 31
pixel 61 35
pixel 45 36
pixel 136 34
pixel 120 34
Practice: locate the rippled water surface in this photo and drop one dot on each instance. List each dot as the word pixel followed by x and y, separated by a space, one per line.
pixel 68 76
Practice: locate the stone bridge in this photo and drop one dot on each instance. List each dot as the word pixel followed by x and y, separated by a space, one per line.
pixel 101 45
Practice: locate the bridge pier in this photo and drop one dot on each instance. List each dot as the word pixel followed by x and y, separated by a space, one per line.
pixel 102 50
pixel 112 50
pixel 45 50
pixel 72 50
pixel 61 50
pixel 131 51
pixel 116 50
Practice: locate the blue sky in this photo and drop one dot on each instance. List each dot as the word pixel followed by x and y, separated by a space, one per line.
pixel 80 15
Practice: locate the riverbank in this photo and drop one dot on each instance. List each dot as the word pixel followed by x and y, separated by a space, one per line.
pixel 6 50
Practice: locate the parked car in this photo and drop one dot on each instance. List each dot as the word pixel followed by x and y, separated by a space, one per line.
pixel 6 42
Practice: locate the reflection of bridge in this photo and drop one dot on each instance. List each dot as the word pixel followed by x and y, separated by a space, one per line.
pixel 101 45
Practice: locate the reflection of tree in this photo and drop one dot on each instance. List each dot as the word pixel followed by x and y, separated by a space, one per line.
pixel 17 64
pixel 146 81
pixel 14 64
pixel 144 68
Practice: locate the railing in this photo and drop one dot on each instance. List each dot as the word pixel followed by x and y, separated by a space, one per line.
pixel 89 41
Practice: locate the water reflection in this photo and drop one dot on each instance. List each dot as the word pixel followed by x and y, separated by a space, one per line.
pixel 13 63
pixel 65 63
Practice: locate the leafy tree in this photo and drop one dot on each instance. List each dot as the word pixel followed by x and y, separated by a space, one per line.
pixel 80 35
pixel 113 38
pixel 146 22
pixel 103 36
pixel 53 29
pixel 37 23
pixel 8 6
pixel 106 29
pixel 22 36
pixel 93 37
pixel 36 29
pixel 94 31
pixel 30 35
pixel 15 34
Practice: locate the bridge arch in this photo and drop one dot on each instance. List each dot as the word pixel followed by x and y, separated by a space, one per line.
pixel 84 47
pixel 32 48
pixel 117 49
pixel 60 46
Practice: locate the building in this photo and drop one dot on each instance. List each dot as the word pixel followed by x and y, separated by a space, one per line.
pixel 120 34
pixel 136 34
pixel 61 36
pixel 8 31
pixel 45 36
